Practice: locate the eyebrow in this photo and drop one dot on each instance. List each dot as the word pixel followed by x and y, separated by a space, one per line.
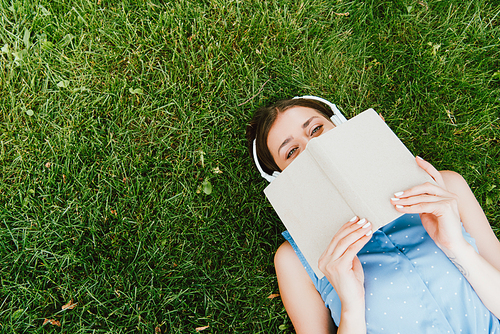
pixel 308 122
pixel 305 125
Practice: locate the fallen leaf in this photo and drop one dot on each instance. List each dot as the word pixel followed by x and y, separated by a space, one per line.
pixel 421 3
pixel 135 91
pixel 157 330
pixel 199 329
pixel 48 164
pixel 207 187
pixel 63 84
pixel 69 306
pixel 216 170
pixel 52 322
pixel 342 14
pixel 17 314
pixel 64 178
pixel 273 295
pixel 114 212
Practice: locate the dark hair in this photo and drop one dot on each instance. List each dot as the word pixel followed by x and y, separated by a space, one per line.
pixel 265 117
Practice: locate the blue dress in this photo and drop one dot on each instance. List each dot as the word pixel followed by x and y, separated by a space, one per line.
pixel 410 285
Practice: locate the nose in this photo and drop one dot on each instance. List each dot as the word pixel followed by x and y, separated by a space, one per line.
pixel 304 140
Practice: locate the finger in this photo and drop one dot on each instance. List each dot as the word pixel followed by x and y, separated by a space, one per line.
pixel 345 260
pixel 435 208
pixel 346 229
pixel 418 199
pixel 433 172
pixel 345 243
pixel 356 246
pixel 422 189
pixel 338 247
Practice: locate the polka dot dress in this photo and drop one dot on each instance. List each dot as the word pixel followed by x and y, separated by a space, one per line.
pixel 411 286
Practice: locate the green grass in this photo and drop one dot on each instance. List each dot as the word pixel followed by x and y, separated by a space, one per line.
pixel 114 114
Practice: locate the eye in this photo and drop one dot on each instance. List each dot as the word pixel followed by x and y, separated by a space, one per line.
pixel 316 129
pixel 292 151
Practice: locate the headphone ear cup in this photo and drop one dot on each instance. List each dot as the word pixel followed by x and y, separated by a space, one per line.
pixel 268 177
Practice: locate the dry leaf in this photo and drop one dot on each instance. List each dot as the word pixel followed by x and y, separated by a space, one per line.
pixel 52 322
pixel 114 212
pixel 273 295
pixel 421 3
pixel 157 330
pixel 48 164
pixel 64 178
pixel 342 14
pixel 199 329
pixel 69 306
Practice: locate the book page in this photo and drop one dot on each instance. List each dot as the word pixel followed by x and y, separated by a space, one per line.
pixel 353 169
pixel 368 164
pixel 310 213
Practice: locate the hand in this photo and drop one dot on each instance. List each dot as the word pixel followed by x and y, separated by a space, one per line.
pixel 437 207
pixel 341 266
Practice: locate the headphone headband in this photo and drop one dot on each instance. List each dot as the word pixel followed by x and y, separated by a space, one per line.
pixel 337 119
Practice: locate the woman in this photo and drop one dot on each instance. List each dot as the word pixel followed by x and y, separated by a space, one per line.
pixel 420 273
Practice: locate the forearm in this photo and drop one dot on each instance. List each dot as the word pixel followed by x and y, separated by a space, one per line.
pixel 482 276
pixel 352 321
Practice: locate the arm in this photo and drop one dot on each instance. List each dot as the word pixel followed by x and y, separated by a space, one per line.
pixel 304 305
pixel 473 218
pixel 441 212
pixel 341 266
pixel 302 301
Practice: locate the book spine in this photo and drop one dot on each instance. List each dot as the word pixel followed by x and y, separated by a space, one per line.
pixel 352 198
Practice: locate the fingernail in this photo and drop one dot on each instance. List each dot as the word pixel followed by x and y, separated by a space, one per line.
pixel 361 222
pixel 369 233
pixel 399 206
pixel 399 193
pixel 353 218
pixel 395 199
pixel 366 225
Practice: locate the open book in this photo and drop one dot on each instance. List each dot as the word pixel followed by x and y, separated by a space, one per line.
pixel 353 169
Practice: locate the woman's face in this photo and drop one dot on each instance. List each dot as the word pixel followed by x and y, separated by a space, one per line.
pixel 291 132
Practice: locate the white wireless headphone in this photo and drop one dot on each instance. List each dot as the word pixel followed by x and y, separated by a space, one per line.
pixel 337 119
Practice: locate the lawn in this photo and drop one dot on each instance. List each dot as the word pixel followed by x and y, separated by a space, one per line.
pixel 128 203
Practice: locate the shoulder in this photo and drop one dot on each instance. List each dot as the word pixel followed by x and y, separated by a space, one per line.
pixel 287 263
pixel 473 218
pixel 285 254
pixel 454 182
pixel 302 301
